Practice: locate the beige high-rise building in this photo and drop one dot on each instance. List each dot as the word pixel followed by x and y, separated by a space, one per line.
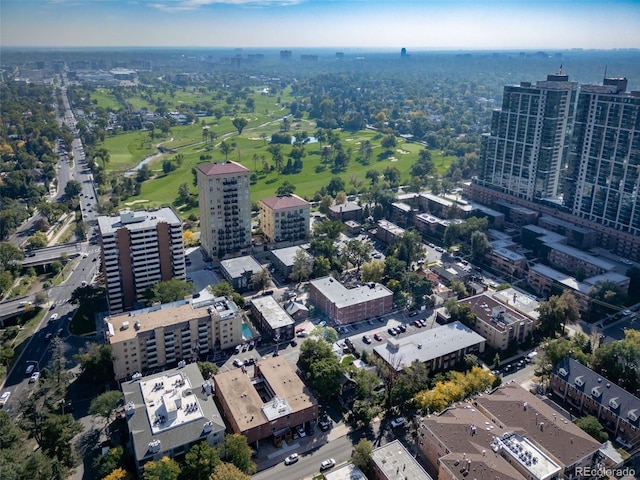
pixel 139 249
pixel 159 336
pixel 225 208
pixel 285 218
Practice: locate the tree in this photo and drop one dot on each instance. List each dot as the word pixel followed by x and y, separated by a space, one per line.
pixel 607 296
pixel 236 451
pixel 163 469
pixel 361 456
pixel 556 312
pixel 9 255
pixel 424 165
pixel 325 204
pixel 184 196
pixel 118 474
pixel 480 245
pixel 57 433
pixel 372 271
pixel 302 266
pixel 330 229
pixel 261 279
pixel 228 471
pixel 226 149
pixel 336 184
pixel 286 188
pixel 37 240
pixel 96 364
pixel 169 291
pixel 408 248
pixel 201 461
pixel 110 461
pixel 73 188
pixel 207 369
pixel 85 295
pixel 389 142
pixel 221 289
pixel 356 253
pixel 593 427
pixel 103 154
pixel 239 123
pixel 105 404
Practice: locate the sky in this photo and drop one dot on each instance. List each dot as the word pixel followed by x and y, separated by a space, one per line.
pixel 367 24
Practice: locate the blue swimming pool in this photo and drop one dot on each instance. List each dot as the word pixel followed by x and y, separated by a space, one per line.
pixel 246 332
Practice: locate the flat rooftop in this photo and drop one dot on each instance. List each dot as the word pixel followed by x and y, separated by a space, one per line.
pixel 235 267
pixel 345 207
pixel 172 407
pixel 342 297
pixel 529 457
pixel 272 312
pixel 347 472
pixel 520 301
pixel 508 254
pixel 585 257
pixel 427 345
pixel 397 463
pixel 127 326
pixel 287 255
pixel 246 405
pixel 494 313
pixel 137 220
pixel 390 227
pixel 562 223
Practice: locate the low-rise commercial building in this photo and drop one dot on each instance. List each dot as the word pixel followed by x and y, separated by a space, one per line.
pixel 345 211
pixel 388 232
pixel 238 272
pixel 344 305
pixel 284 218
pixel 165 334
pixel 438 348
pixel 266 401
pixel 283 259
pixel 592 394
pixel 169 412
pixel 272 320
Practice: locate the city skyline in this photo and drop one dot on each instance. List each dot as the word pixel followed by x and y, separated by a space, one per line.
pixel 367 24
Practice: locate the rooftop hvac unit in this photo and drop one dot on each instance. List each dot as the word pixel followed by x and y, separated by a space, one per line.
pixel 125 325
pixel 129 408
pixel 137 325
pixel 154 446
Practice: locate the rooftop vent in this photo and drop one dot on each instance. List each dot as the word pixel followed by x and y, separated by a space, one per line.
pixel 125 325
pixel 154 446
pixel 579 381
pixel 137 325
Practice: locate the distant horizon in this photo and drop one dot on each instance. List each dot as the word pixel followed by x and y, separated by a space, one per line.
pixel 418 25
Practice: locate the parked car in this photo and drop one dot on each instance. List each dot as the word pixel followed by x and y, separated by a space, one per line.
pixel 417 323
pixel 325 425
pixel 392 331
pixel 402 327
pixel 396 422
pixel 238 363
pixel 30 368
pixel 4 398
pixel 366 339
pixel 34 377
pixel 377 336
pixel 48 336
pixel 293 458
pixel 53 317
pixel 301 431
pixel 327 464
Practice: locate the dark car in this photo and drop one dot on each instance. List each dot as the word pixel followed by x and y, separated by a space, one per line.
pixel 414 313
pixel 392 331
pixel 402 327
pixel 366 339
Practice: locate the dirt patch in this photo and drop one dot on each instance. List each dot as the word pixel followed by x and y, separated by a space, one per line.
pixel 393 159
pixel 402 152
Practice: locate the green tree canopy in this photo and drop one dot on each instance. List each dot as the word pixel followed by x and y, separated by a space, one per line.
pixel 557 312
pixel 228 471
pixel 96 364
pixel 105 404
pixel 286 188
pixel 169 291
pixel 200 462
pixel 239 123
pixel 163 469
pixel 361 456
pixel 593 427
pixel 235 450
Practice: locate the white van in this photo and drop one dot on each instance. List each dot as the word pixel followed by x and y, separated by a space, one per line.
pixel 531 357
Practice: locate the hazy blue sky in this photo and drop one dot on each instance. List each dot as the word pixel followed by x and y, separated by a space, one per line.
pixel 415 24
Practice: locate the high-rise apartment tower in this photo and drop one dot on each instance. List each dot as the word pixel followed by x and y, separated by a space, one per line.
pixel 225 208
pixel 603 177
pixel 526 151
pixel 139 249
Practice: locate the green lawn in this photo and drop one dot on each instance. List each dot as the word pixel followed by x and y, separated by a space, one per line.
pixel 128 149
pixel 105 99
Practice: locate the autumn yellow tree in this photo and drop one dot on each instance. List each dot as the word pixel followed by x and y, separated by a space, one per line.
pixel 119 474
pixel 189 238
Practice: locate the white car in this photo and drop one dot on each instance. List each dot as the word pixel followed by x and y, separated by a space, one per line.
pixel 396 422
pixel 30 368
pixel 34 377
pixel 328 463
pixel 293 458
pixel 238 363
pixel 4 398
pixel 53 317
pixel 301 431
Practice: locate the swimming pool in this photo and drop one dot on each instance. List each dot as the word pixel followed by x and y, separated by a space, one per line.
pixel 246 331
